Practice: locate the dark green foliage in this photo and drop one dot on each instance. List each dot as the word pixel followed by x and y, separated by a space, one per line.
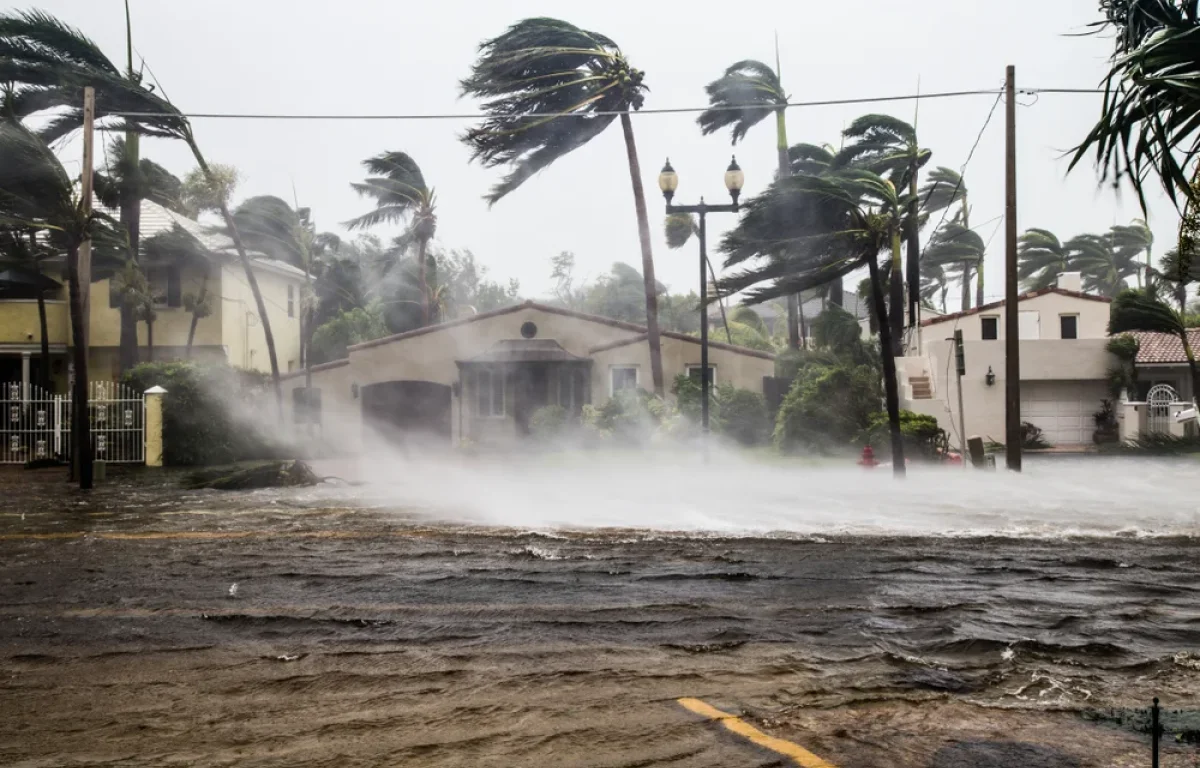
pixel 1123 376
pixel 827 407
pixel 748 92
pixel 1163 444
pixel 272 474
pixel 400 193
pixel 205 412
pixel 331 340
pixel 630 416
pixel 550 422
pixel 744 416
pixel 1032 438
pixel 923 438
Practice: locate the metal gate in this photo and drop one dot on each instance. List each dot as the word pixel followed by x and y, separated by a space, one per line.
pixel 35 423
pixel 1159 400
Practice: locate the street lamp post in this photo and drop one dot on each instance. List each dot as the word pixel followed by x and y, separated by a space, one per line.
pixel 668 182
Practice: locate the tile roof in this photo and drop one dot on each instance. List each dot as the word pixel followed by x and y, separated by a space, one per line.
pixel 1023 297
pixel 1164 348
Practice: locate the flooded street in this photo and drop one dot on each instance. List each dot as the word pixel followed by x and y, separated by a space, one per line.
pixel 145 625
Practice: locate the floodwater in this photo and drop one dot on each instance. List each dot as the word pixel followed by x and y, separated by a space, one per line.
pixel 549 611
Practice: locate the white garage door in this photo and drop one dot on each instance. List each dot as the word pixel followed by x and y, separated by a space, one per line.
pixel 1062 409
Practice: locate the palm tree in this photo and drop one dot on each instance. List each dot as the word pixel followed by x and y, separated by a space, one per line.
pixel 935 282
pixel 549 88
pixel 21 250
pixel 1175 275
pixel 1142 311
pixel 961 250
pixel 808 230
pixel 943 188
pixel 679 228
pixel 401 194
pixel 1151 112
pixel 36 193
pixel 1103 268
pixel 888 146
pixel 50 63
pixel 1041 258
pixel 1131 241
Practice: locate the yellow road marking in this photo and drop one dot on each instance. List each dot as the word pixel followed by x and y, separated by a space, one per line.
pixel 735 724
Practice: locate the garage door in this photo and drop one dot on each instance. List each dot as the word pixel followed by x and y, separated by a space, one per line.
pixel 1062 409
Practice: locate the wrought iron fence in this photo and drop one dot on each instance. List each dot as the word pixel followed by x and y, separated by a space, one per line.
pixel 35 423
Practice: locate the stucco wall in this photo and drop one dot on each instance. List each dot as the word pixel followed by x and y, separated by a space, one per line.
pixel 19 323
pixel 1092 324
pixel 241 328
pixel 171 324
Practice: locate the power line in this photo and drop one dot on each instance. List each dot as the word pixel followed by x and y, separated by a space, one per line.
pixel 661 111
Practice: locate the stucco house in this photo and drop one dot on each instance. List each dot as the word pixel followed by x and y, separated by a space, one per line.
pixel 1161 360
pixel 232 333
pixel 1064 366
pixel 481 378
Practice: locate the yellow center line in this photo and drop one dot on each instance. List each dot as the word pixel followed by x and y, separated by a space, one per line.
pixel 736 725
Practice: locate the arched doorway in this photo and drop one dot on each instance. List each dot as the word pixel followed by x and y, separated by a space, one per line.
pixel 404 411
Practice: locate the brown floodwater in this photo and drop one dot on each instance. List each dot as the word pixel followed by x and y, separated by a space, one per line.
pixel 146 625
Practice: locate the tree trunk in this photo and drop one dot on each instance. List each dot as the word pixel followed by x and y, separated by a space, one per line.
pixel 720 303
pixel 200 299
pixel 793 321
pixel 81 437
pixel 795 334
pixel 803 326
pixel 422 245
pixel 149 339
pixel 891 387
pixel 914 251
pixel 131 220
pixel 966 287
pixel 43 326
pixel 966 219
pixel 250 278
pixel 895 316
pixel 643 222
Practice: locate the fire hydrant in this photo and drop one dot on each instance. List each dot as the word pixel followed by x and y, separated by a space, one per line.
pixel 868 460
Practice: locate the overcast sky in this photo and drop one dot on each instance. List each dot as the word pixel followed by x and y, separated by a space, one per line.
pixel 381 56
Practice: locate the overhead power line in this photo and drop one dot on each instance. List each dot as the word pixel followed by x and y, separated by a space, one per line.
pixel 662 111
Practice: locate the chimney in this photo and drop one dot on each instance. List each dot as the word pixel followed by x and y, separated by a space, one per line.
pixel 1071 281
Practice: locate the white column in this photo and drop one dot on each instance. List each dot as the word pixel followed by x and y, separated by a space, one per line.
pixel 25 374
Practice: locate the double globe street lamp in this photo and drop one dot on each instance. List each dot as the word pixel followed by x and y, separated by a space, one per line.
pixel 668 182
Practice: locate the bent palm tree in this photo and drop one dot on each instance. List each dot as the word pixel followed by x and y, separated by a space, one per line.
pixel 960 250
pixel 401 194
pixel 808 230
pixel 1103 268
pixel 582 80
pixel 1130 241
pixel 888 146
pixel 1041 258
pixel 1141 311
pixel 943 188
pixel 50 63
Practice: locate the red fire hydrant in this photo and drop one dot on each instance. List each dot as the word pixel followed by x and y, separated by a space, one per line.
pixel 868 460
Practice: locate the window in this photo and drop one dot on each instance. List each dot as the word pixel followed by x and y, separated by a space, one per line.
pixel 489 394
pixel 623 377
pixel 990 327
pixel 694 374
pixel 1069 326
pixel 571 389
pixel 291 301
pixel 174 287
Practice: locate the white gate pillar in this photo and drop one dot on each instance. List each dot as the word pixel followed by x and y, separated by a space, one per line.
pixel 154 426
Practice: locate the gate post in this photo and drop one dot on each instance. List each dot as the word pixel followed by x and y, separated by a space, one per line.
pixel 154 426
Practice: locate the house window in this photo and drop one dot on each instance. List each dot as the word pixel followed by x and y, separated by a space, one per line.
pixel 174 287
pixel 694 374
pixel 291 301
pixel 1069 326
pixel 570 390
pixel 489 394
pixel 989 327
pixel 623 377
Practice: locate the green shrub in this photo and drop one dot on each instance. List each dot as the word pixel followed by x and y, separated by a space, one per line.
pixel 549 422
pixel 743 414
pixel 630 416
pixel 331 340
pixel 923 438
pixel 201 420
pixel 827 407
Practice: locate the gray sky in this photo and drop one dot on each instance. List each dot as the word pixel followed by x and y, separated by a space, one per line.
pixel 379 56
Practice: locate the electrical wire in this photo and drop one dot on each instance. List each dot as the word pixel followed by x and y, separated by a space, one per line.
pixel 609 113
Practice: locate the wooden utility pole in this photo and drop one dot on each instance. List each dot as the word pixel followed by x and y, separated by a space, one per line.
pixel 85 248
pixel 1012 329
pixel 79 268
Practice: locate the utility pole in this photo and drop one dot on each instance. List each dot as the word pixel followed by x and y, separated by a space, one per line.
pixel 80 282
pixel 1012 329
pixel 960 369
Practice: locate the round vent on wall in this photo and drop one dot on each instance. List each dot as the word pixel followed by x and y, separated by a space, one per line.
pixel 528 330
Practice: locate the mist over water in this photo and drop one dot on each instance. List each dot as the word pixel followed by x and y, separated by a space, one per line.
pixel 737 494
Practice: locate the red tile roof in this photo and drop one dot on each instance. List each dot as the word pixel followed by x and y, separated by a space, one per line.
pixel 1164 348
pixel 1022 297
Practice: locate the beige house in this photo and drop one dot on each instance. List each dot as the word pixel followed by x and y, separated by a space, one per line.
pixel 1064 366
pixel 233 332
pixel 481 378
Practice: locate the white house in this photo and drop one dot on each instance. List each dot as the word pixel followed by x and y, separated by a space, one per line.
pixel 1064 366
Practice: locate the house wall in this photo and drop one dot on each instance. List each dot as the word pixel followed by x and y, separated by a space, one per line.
pixel 743 371
pixel 171 324
pixel 241 329
pixel 19 322
pixel 1093 319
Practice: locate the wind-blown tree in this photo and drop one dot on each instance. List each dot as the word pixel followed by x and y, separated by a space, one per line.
pixel 1150 117
pixel 540 67
pixel 935 283
pixel 1142 311
pixel 679 229
pixel 1102 267
pixel 958 250
pixel 808 230
pixel 36 193
pixel 1132 240
pixel 50 63
pixel 742 97
pixel 1041 258
pixel 401 194
pixel 943 188
pixel 888 146
pixel 179 246
pixel 21 251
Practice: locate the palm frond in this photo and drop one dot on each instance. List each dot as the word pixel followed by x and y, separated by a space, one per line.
pixel 679 229
pixel 748 92
pixel 1140 311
